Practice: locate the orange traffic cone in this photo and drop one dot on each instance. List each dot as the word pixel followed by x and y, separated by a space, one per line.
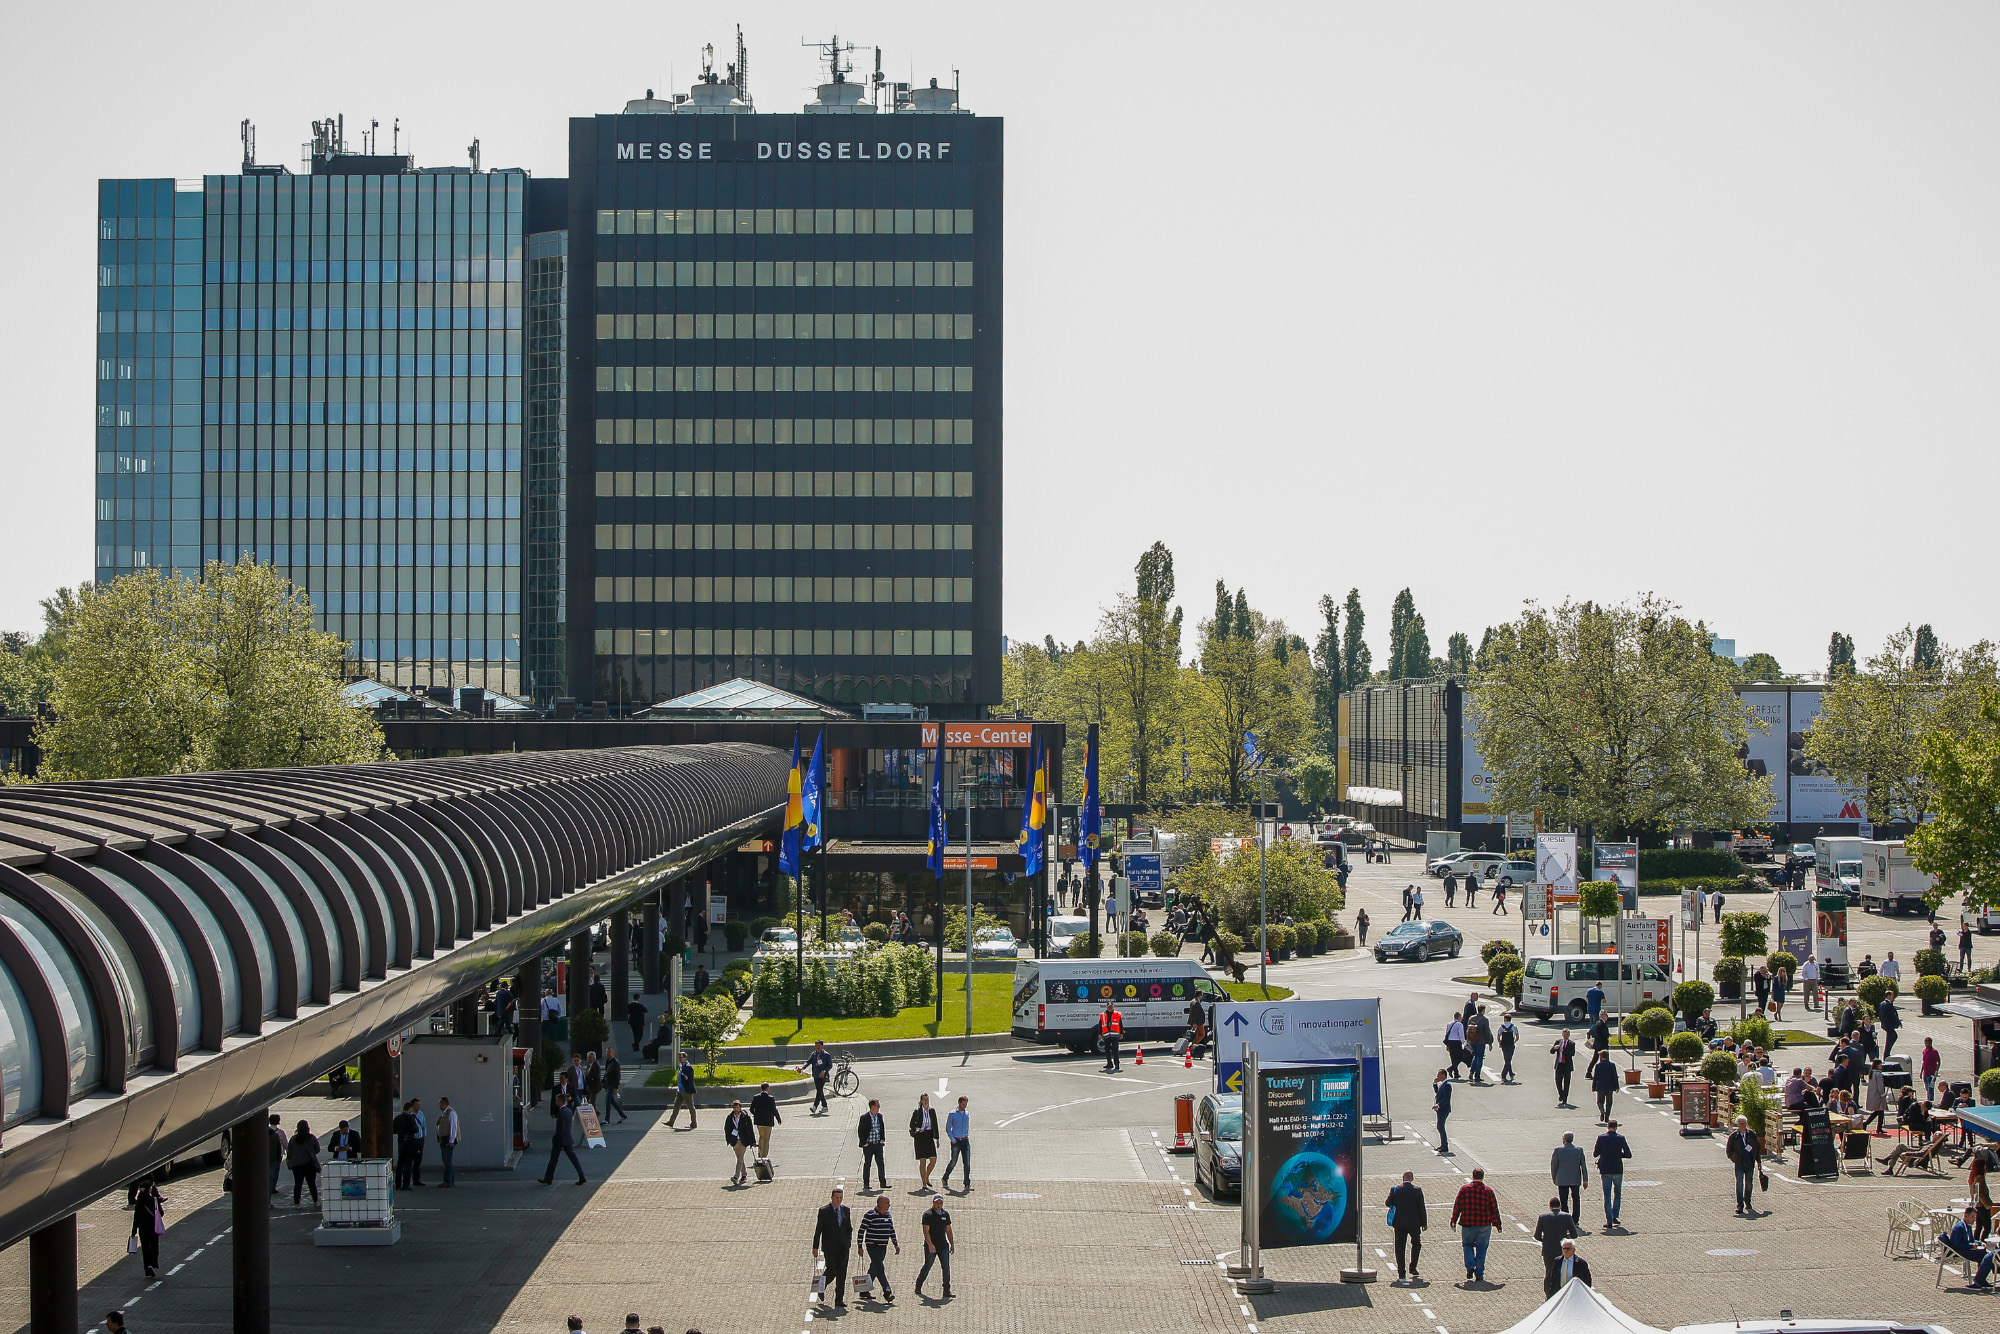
pixel 1138 1056
pixel 1189 1062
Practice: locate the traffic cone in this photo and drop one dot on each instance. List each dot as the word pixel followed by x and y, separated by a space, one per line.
pixel 1189 1062
pixel 1138 1056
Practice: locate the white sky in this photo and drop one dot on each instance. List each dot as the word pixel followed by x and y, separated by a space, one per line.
pixel 1495 302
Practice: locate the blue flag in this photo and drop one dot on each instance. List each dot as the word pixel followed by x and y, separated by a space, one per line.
pixel 795 822
pixel 1035 810
pixel 939 839
pixel 812 799
pixel 1090 819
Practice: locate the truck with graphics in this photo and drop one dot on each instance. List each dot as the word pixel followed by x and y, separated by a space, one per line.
pixel 1057 1001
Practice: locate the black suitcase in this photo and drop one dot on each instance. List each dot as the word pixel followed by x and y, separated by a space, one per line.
pixel 763 1169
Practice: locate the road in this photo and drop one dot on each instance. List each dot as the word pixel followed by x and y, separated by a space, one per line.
pixel 1078 1215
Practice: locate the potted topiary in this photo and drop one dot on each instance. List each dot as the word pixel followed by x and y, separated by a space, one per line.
pixel 588 1032
pixel 1493 947
pixel 878 932
pixel 1691 998
pixel 1719 1068
pixel 1654 1026
pixel 1227 946
pixel 1782 961
pixel 1989 1086
pixel 1728 973
pixel 1871 990
pixel 1166 945
pixel 1685 1048
pixel 1932 989
pixel 1510 985
pixel 736 932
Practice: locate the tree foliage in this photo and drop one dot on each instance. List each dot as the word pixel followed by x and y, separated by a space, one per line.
pixel 1961 843
pixel 1298 883
pixel 1244 683
pixel 1762 667
pixel 159 674
pixel 1458 655
pixel 1327 679
pixel 1872 724
pixel 1839 655
pixel 1616 717
pixel 1355 660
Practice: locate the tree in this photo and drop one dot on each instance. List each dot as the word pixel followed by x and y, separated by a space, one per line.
pixel 1960 845
pixel 1327 678
pixel 1355 663
pixel 1494 646
pixel 1762 667
pixel 1616 717
pixel 1458 654
pixel 1401 612
pixel 1872 724
pixel 1315 779
pixel 1924 655
pixel 704 1021
pixel 159 674
pixel 1839 655
pixel 1241 685
pixel 1416 649
pixel 1298 883
pixel 1140 642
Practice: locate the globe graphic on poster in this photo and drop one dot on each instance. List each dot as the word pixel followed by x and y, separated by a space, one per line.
pixel 1308 1197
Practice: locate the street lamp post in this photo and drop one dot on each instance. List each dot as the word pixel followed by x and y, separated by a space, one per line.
pixel 1263 897
pixel 968 785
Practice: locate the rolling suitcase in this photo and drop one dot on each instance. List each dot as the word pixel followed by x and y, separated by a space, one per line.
pixel 763 1169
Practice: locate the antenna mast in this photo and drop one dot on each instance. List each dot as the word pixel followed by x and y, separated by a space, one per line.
pixel 837 70
pixel 742 67
pixel 472 151
pixel 249 134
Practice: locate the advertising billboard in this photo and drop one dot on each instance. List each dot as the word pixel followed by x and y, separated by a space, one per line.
pixel 1308 1155
pixel 1814 793
pixel 1617 861
pixel 1475 794
pixel 1555 863
pixel 1830 929
pixel 1795 922
pixel 1320 1031
pixel 1765 752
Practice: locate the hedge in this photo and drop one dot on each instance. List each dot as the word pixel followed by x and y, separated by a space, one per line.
pixel 1678 863
pixel 874 982
pixel 1675 884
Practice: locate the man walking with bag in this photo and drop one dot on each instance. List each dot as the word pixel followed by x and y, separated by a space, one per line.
pixel 1408 1217
pixel 738 1133
pixel 833 1233
pixel 764 1112
pixel 1564 1050
pixel 684 1091
pixel 1744 1150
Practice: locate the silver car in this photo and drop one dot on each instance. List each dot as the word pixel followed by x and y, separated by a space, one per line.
pixel 995 942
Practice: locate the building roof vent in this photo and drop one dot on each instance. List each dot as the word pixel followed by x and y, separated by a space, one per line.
pixel 837 96
pixel 933 99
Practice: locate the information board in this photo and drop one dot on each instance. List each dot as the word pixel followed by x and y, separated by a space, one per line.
pixel 1320 1032
pixel 1818 1157
pixel 1645 940
pixel 1308 1128
pixel 1143 870
pixel 1696 1101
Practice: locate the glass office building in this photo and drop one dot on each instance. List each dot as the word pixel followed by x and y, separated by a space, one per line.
pixel 341 398
pixel 784 403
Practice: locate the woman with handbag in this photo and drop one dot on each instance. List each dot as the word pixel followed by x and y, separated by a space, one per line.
pixel 302 1156
pixel 924 1130
pixel 149 1222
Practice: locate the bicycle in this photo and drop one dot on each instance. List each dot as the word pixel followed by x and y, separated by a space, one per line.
pixel 845 1081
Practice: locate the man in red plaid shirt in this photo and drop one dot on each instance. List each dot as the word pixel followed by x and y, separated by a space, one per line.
pixel 1475 1213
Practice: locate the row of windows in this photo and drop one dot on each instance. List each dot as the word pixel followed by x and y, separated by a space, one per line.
pixel 355 508
pixel 784 430
pixel 784 221
pixel 696 641
pixel 785 379
pixel 421 315
pixel 785 273
pixel 785 324
pixel 946 484
pixel 784 537
pixel 778 588
pixel 391 365
pixel 369 602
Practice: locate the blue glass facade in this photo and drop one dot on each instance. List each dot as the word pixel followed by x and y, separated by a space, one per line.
pixel 149 376
pixel 324 372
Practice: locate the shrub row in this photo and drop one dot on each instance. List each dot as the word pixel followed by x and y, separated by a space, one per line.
pixel 1681 863
pixel 873 982
pixel 1675 884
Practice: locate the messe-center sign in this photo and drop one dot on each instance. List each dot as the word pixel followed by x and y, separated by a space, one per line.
pixel 989 736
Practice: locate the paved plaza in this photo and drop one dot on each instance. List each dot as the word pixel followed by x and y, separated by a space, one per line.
pixel 1078 1216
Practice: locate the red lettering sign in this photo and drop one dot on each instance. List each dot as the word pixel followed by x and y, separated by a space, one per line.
pixel 973 736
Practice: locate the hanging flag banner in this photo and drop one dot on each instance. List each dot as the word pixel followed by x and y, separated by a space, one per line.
pixel 1308 1128
pixel 1555 864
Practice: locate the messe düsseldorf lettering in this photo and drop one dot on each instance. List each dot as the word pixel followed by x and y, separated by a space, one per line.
pixel 881 150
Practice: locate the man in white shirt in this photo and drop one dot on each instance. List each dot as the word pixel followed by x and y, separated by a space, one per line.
pixel 1890 968
pixel 1809 975
pixel 447 1136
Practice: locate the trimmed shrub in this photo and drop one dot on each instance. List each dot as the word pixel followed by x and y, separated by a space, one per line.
pixel 1678 863
pixel 1510 985
pixel 1166 944
pixel 1675 884
pixel 1655 1024
pixel 1135 944
pixel 1932 988
pixel 588 1031
pixel 877 932
pixel 1781 959
pixel 762 924
pixel 1719 1067
pixel 1752 1030
pixel 1989 1086
pixel 1873 989
pixel 1691 998
pixel 1329 931
pixel 1493 947
pixel 1729 968
pixel 1228 943
pixel 1500 965
pixel 1685 1047
pixel 1598 898
pixel 1931 963
pixel 1079 948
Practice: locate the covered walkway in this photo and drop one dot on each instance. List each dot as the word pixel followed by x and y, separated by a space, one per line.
pixel 178 953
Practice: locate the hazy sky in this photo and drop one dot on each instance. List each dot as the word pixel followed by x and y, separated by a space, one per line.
pixel 1495 302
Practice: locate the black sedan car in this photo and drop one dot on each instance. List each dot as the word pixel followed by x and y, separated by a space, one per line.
pixel 1419 941
pixel 1218 1143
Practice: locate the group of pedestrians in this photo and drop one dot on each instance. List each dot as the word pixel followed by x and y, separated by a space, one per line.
pixel 835 1231
pixel 1475 1212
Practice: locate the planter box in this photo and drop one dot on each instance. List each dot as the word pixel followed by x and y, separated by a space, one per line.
pixel 1631 1078
pixel 1655 1092
pixel 1344 941
pixel 1730 990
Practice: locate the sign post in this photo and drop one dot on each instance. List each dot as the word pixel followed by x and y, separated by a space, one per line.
pixel 1248 1271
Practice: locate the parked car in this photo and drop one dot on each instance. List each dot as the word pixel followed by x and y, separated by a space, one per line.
pixel 995 942
pixel 1458 863
pixel 1517 873
pixel 1062 930
pixel 1218 1143
pixel 1419 941
pixel 777 940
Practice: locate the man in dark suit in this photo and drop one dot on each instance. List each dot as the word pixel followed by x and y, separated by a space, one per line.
pixel 1553 1229
pixel 1567 1266
pixel 1564 1050
pixel 872 1134
pixel 739 1134
pixel 409 1146
pixel 833 1238
pixel 1406 1203
pixel 562 1140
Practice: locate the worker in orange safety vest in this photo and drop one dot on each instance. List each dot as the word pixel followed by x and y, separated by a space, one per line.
pixel 1110 1031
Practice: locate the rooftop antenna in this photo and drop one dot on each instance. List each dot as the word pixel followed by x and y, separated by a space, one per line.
pixel 472 151
pixel 396 135
pixel 877 81
pixel 742 67
pixel 374 135
pixel 836 69
pixel 249 133
pixel 708 63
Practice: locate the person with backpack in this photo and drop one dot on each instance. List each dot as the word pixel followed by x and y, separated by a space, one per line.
pixel 302 1156
pixel 1509 1035
pixel 149 1223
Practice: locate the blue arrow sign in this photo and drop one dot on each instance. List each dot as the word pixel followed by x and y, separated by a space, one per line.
pixel 1236 1023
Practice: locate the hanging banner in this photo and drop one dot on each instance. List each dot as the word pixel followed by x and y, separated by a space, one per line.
pixel 1691 909
pixel 1830 930
pixel 1317 1031
pixel 1308 1128
pixel 1795 922
pixel 1555 864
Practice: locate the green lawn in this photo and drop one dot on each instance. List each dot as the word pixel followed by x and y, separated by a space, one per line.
pixel 992 1012
pixel 725 1074
pixel 1250 991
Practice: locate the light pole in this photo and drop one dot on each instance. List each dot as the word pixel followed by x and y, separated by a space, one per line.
pixel 1263 896
pixel 968 784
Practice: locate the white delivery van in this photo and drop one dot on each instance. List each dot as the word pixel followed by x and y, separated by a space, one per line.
pixel 1057 1001
pixel 1837 866
pixel 1889 883
pixel 1556 984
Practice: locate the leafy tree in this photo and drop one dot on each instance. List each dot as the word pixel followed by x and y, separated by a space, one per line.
pixel 1315 779
pixel 1872 724
pixel 1299 883
pixel 1355 662
pixel 1924 655
pixel 1139 639
pixel 1327 679
pixel 1616 717
pixel 1401 612
pixel 1416 649
pixel 1225 611
pixel 1494 646
pixel 954 925
pixel 703 1023
pixel 1839 655
pixel 1762 667
pixel 1241 686
pixel 159 674
pixel 1458 655
pixel 1961 843
pixel 1745 933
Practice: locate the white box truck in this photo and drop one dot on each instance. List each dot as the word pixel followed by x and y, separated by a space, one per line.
pixel 1057 1001
pixel 1837 866
pixel 1888 882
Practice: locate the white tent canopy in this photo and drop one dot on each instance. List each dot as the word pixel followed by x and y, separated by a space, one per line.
pixel 1579 1309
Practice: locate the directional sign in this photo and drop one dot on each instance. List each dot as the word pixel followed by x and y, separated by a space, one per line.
pixel 1232 1082
pixel 1309 1031
pixel 1143 869
pixel 1235 1023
